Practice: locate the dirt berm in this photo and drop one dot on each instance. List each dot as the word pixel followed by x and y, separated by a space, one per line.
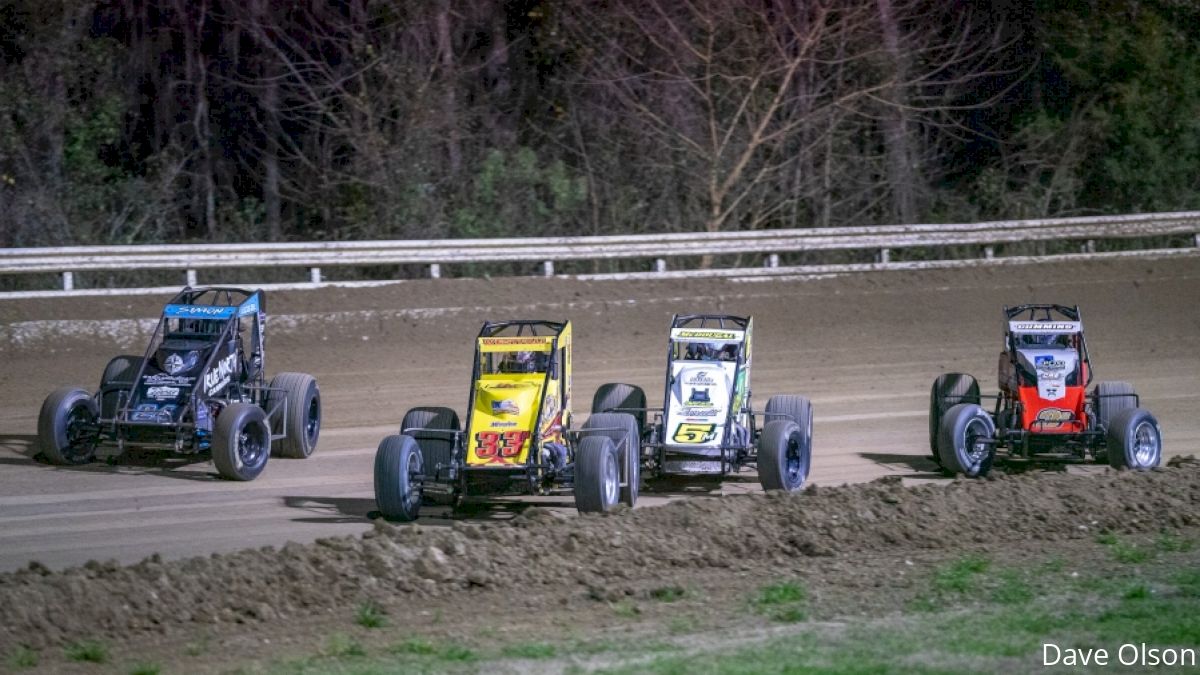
pixel 589 555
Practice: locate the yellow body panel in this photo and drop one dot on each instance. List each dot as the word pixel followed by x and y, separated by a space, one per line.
pixel 514 413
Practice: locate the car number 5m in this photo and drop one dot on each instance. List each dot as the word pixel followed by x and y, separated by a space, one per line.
pixel 689 432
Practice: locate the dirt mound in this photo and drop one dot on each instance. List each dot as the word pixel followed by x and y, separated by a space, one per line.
pixel 595 554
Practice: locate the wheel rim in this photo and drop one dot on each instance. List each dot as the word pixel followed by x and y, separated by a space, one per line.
pixel 1145 444
pixel 78 443
pixel 251 448
pixel 312 424
pixel 412 488
pixel 793 469
pixel 609 479
pixel 976 446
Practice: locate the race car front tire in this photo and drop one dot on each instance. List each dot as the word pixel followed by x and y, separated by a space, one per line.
pixel 118 377
pixel 398 463
pixel 622 428
pixel 62 426
pixel 964 440
pixel 431 427
pixel 1134 440
pixel 614 396
pixel 948 390
pixel 302 424
pixel 241 442
pixel 785 454
pixel 597 478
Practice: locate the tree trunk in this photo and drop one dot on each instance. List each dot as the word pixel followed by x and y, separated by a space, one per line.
pixel 902 169
pixel 449 88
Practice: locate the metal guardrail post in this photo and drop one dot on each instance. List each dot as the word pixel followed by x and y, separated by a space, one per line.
pixel 885 255
pixel 314 275
pixel 1090 246
pixel 1197 237
pixel 68 281
pixel 435 271
pixel 548 268
pixel 660 265
pixel 773 260
pixel 989 252
pixel 191 278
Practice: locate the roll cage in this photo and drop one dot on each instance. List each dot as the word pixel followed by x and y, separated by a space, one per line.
pixel 1048 315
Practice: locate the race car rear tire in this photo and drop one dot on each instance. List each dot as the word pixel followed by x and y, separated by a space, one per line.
pixel 62 421
pixel 961 440
pixel 615 395
pixel 623 430
pixel 1134 440
pixel 785 454
pixel 302 425
pixel 1110 398
pixel 241 442
pixel 948 390
pixel 597 478
pixel 397 490
pixel 436 444
pixel 788 407
pixel 118 377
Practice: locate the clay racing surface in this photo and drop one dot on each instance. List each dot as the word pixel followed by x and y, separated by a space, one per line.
pixel 865 349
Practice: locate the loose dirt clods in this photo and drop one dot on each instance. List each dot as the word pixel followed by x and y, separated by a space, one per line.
pixel 602 556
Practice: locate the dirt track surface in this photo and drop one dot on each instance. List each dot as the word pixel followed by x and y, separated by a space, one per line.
pixel 865 349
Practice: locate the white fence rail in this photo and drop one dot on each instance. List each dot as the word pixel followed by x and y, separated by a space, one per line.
pixel 189 258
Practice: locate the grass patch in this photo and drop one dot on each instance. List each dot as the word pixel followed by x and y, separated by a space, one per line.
pixel 1011 589
pixel 341 645
pixel 87 651
pixel 668 593
pixel 22 657
pixel 422 647
pixel 1187 583
pixel 1136 592
pixel 959 576
pixel 626 609
pixel 415 646
pixel 530 650
pixel 370 615
pixel 1123 551
pixel 782 601
pixel 1169 542
pixel 146 669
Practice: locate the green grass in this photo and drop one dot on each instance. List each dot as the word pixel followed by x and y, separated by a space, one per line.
pixel 626 609
pixel 530 650
pixel 340 645
pixel 1125 552
pixel 425 648
pixel 668 593
pixel 1170 542
pixel 960 575
pixel 146 669
pixel 87 651
pixel 22 657
pixel 783 601
pixel 370 615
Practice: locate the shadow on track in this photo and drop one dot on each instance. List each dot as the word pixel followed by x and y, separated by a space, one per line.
pixel 925 466
pixel 131 461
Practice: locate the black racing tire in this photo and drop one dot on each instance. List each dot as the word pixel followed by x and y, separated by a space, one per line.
pixel 785 454
pixel 616 395
pixel 397 492
pixel 62 422
pixel 788 407
pixel 1110 398
pixel 241 442
pixel 1134 440
pixel 436 445
pixel 118 377
pixel 959 440
pixel 949 390
pixel 302 425
pixel 623 430
pixel 597 478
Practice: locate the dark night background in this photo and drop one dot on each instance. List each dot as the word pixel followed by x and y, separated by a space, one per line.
pixel 138 121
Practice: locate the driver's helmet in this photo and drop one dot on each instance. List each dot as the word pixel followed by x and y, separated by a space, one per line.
pixel 701 351
pixel 1056 340
pixel 529 362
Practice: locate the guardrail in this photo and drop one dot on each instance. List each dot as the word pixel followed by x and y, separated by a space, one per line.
pixel 189 258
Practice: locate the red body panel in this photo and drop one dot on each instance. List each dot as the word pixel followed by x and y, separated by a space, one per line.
pixel 1065 415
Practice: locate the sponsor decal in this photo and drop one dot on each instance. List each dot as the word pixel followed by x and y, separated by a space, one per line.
pixel 218 378
pixel 699 397
pixel 1054 417
pixel 499 444
pixel 1044 326
pixel 199 311
pixel 173 380
pixel 174 363
pixel 1048 362
pixel 249 307
pixel 505 407
pixel 502 425
pixel 692 413
pixel 542 341
pixel 707 334
pixel 700 379
pixel 162 393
